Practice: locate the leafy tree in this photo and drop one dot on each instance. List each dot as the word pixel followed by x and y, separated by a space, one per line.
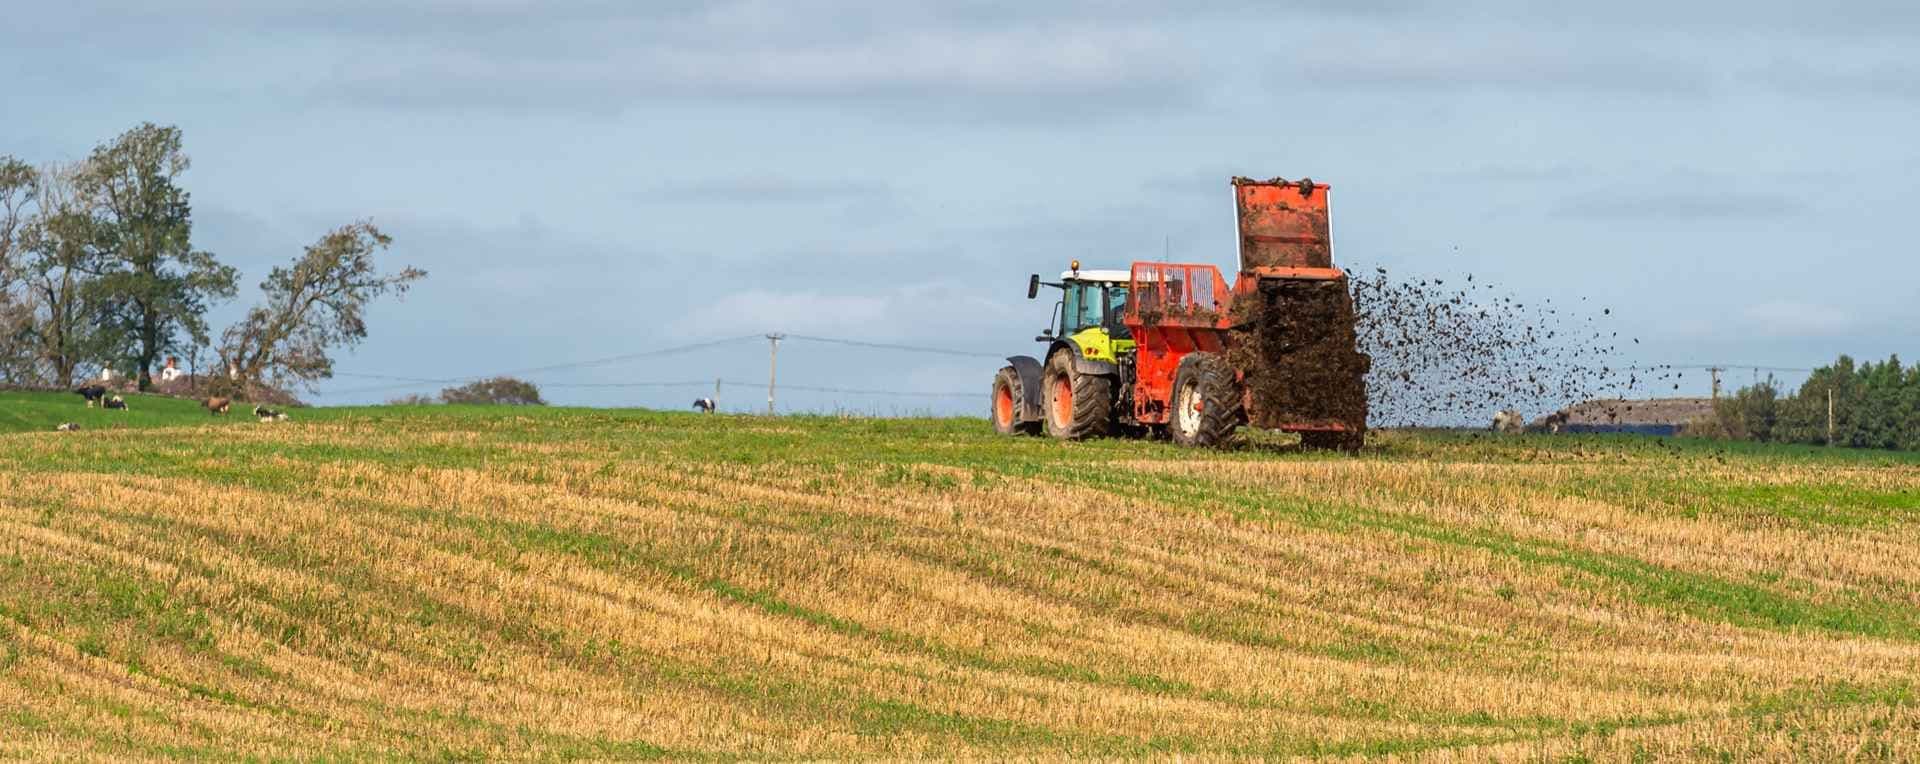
pixel 1874 405
pixel 18 194
pixel 1751 413
pixel 155 285
pixel 19 189
pixel 316 305
pixel 504 391
pixel 63 328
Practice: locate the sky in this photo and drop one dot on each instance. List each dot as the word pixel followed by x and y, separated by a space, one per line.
pixel 586 180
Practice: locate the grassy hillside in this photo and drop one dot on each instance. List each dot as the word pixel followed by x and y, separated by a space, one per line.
pixel 486 584
pixel 22 411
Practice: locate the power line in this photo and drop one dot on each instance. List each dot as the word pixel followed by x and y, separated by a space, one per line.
pixel 391 377
pixel 900 393
pixel 383 388
pixel 693 383
pixel 415 381
pixel 627 357
pixel 1712 366
pixel 410 382
pixel 893 346
pixel 703 383
pixel 739 383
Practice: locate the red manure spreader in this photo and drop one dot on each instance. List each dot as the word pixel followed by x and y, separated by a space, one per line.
pixel 1169 348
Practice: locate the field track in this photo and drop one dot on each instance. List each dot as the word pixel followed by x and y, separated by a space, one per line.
pixel 488 584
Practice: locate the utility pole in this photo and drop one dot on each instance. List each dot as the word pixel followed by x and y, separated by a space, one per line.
pixel 773 364
pixel 1715 371
pixel 716 395
pixel 1829 417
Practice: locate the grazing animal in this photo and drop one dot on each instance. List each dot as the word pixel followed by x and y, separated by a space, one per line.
pixel 114 402
pixel 704 405
pixel 1508 422
pixel 216 406
pixel 93 393
pixel 68 427
pixel 265 414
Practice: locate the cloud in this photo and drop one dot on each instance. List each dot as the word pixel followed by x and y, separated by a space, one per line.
pixel 1064 67
pixel 1519 173
pixel 1828 79
pixel 1789 318
pixel 764 190
pixel 761 310
pixel 1660 204
pixel 875 313
pixel 1493 58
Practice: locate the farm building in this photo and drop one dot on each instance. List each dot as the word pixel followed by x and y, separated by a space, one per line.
pixel 1654 416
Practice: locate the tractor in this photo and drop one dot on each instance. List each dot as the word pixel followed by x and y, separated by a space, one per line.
pixel 1168 349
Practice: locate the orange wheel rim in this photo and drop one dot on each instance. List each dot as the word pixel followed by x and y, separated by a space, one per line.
pixel 1003 406
pixel 1062 400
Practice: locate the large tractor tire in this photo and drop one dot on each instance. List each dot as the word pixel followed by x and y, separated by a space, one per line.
pixel 1077 405
pixel 1208 404
pixel 1008 399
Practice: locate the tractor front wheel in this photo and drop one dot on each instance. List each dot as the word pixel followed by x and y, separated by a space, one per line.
pixel 1078 405
pixel 1008 399
pixel 1207 403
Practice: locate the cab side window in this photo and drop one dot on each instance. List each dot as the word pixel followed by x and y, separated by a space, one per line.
pixel 1117 313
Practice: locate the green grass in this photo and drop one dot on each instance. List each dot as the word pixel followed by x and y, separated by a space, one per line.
pixel 24 411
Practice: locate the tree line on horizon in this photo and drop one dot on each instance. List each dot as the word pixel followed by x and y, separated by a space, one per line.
pixel 1857 405
pixel 99 271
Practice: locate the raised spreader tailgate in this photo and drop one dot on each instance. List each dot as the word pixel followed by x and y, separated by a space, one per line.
pixel 1284 230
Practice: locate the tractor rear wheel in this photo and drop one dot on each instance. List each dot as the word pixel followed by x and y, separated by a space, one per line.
pixel 1008 400
pixel 1077 405
pixel 1207 402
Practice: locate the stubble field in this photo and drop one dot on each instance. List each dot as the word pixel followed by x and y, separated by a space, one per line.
pixel 506 584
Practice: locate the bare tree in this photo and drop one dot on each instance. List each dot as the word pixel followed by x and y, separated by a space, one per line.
pixel 313 307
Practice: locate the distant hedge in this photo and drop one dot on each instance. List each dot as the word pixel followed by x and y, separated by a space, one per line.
pixel 1875 405
pixel 497 391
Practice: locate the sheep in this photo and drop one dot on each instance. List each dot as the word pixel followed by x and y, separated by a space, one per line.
pixel 216 406
pixel 93 393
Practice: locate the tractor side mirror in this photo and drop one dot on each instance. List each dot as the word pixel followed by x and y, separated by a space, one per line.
pixel 1033 286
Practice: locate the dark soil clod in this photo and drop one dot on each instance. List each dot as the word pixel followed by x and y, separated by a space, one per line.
pixel 1451 356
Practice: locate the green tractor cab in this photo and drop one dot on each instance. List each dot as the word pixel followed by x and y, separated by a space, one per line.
pixel 1074 391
